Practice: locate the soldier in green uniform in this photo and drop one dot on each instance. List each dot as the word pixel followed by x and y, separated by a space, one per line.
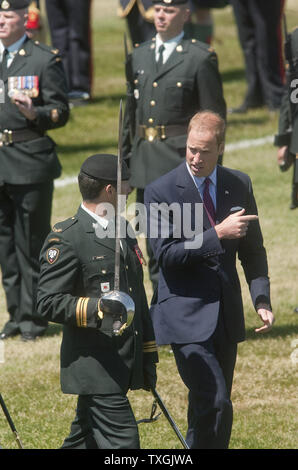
pixel 173 78
pixel 139 18
pixel 287 136
pixel 77 268
pixel 34 100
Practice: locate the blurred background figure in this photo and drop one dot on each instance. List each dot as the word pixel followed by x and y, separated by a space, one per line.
pixel 287 137
pixel 201 25
pixel 35 28
pixel 260 36
pixel 70 29
pixel 139 18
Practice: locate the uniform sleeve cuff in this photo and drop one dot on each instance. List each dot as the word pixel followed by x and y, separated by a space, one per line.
pixel 87 312
pixel 149 346
pixel 281 140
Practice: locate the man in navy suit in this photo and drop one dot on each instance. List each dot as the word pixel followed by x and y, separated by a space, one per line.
pixel 199 308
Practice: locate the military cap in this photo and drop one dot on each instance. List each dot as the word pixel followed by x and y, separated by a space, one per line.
pixel 9 5
pixel 170 2
pixel 104 167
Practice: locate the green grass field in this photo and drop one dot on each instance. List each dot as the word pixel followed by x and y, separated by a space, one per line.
pixel 265 386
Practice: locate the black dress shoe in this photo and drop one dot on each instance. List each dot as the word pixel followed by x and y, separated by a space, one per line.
pixel 78 95
pixel 4 335
pixel 28 337
pixel 289 159
pixel 78 98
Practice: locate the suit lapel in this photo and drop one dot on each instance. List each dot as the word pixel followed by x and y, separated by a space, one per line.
pixel 151 57
pixel 190 193
pixel 223 194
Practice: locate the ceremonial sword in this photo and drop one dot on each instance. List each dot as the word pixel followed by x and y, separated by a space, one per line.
pixel 116 303
pixel 158 401
pixel 169 417
pixel 10 422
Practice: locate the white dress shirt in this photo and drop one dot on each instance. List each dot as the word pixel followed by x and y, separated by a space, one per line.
pixel 100 220
pixel 170 45
pixel 13 49
pixel 200 180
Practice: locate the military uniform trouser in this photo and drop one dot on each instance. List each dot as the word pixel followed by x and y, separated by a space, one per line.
pixel 103 422
pixel 25 212
pixel 70 29
pixel 259 26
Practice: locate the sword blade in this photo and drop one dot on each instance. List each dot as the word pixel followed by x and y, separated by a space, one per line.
pixel 10 422
pixel 118 208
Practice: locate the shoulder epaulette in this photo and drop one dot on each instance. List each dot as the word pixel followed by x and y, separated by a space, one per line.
pixel 46 48
pixel 141 45
pixel 64 225
pixel 202 45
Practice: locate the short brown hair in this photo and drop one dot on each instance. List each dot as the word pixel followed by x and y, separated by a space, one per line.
pixel 90 188
pixel 208 121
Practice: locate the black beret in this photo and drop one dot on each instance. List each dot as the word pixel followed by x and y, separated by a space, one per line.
pixel 170 2
pixel 9 5
pixel 104 167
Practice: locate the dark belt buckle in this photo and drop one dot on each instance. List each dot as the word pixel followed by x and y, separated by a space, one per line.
pixel 6 137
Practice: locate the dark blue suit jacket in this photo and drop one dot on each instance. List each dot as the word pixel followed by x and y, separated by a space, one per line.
pixel 194 282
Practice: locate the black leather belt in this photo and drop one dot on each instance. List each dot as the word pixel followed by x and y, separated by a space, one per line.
pixel 161 132
pixel 8 137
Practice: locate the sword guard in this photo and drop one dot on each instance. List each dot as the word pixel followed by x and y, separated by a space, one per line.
pixel 121 307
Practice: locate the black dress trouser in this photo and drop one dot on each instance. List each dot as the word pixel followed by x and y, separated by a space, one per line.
pixel 103 422
pixel 259 30
pixel 25 214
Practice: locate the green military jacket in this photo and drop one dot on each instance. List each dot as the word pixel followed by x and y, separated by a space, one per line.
pixel 77 268
pixel 288 117
pixel 33 161
pixel 188 82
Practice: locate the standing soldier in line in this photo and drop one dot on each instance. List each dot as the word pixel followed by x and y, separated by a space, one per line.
pixel 287 137
pixel 202 25
pixel 35 27
pixel 172 78
pixel 70 28
pixel 139 17
pixel 77 269
pixel 260 36
pixel 35 100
